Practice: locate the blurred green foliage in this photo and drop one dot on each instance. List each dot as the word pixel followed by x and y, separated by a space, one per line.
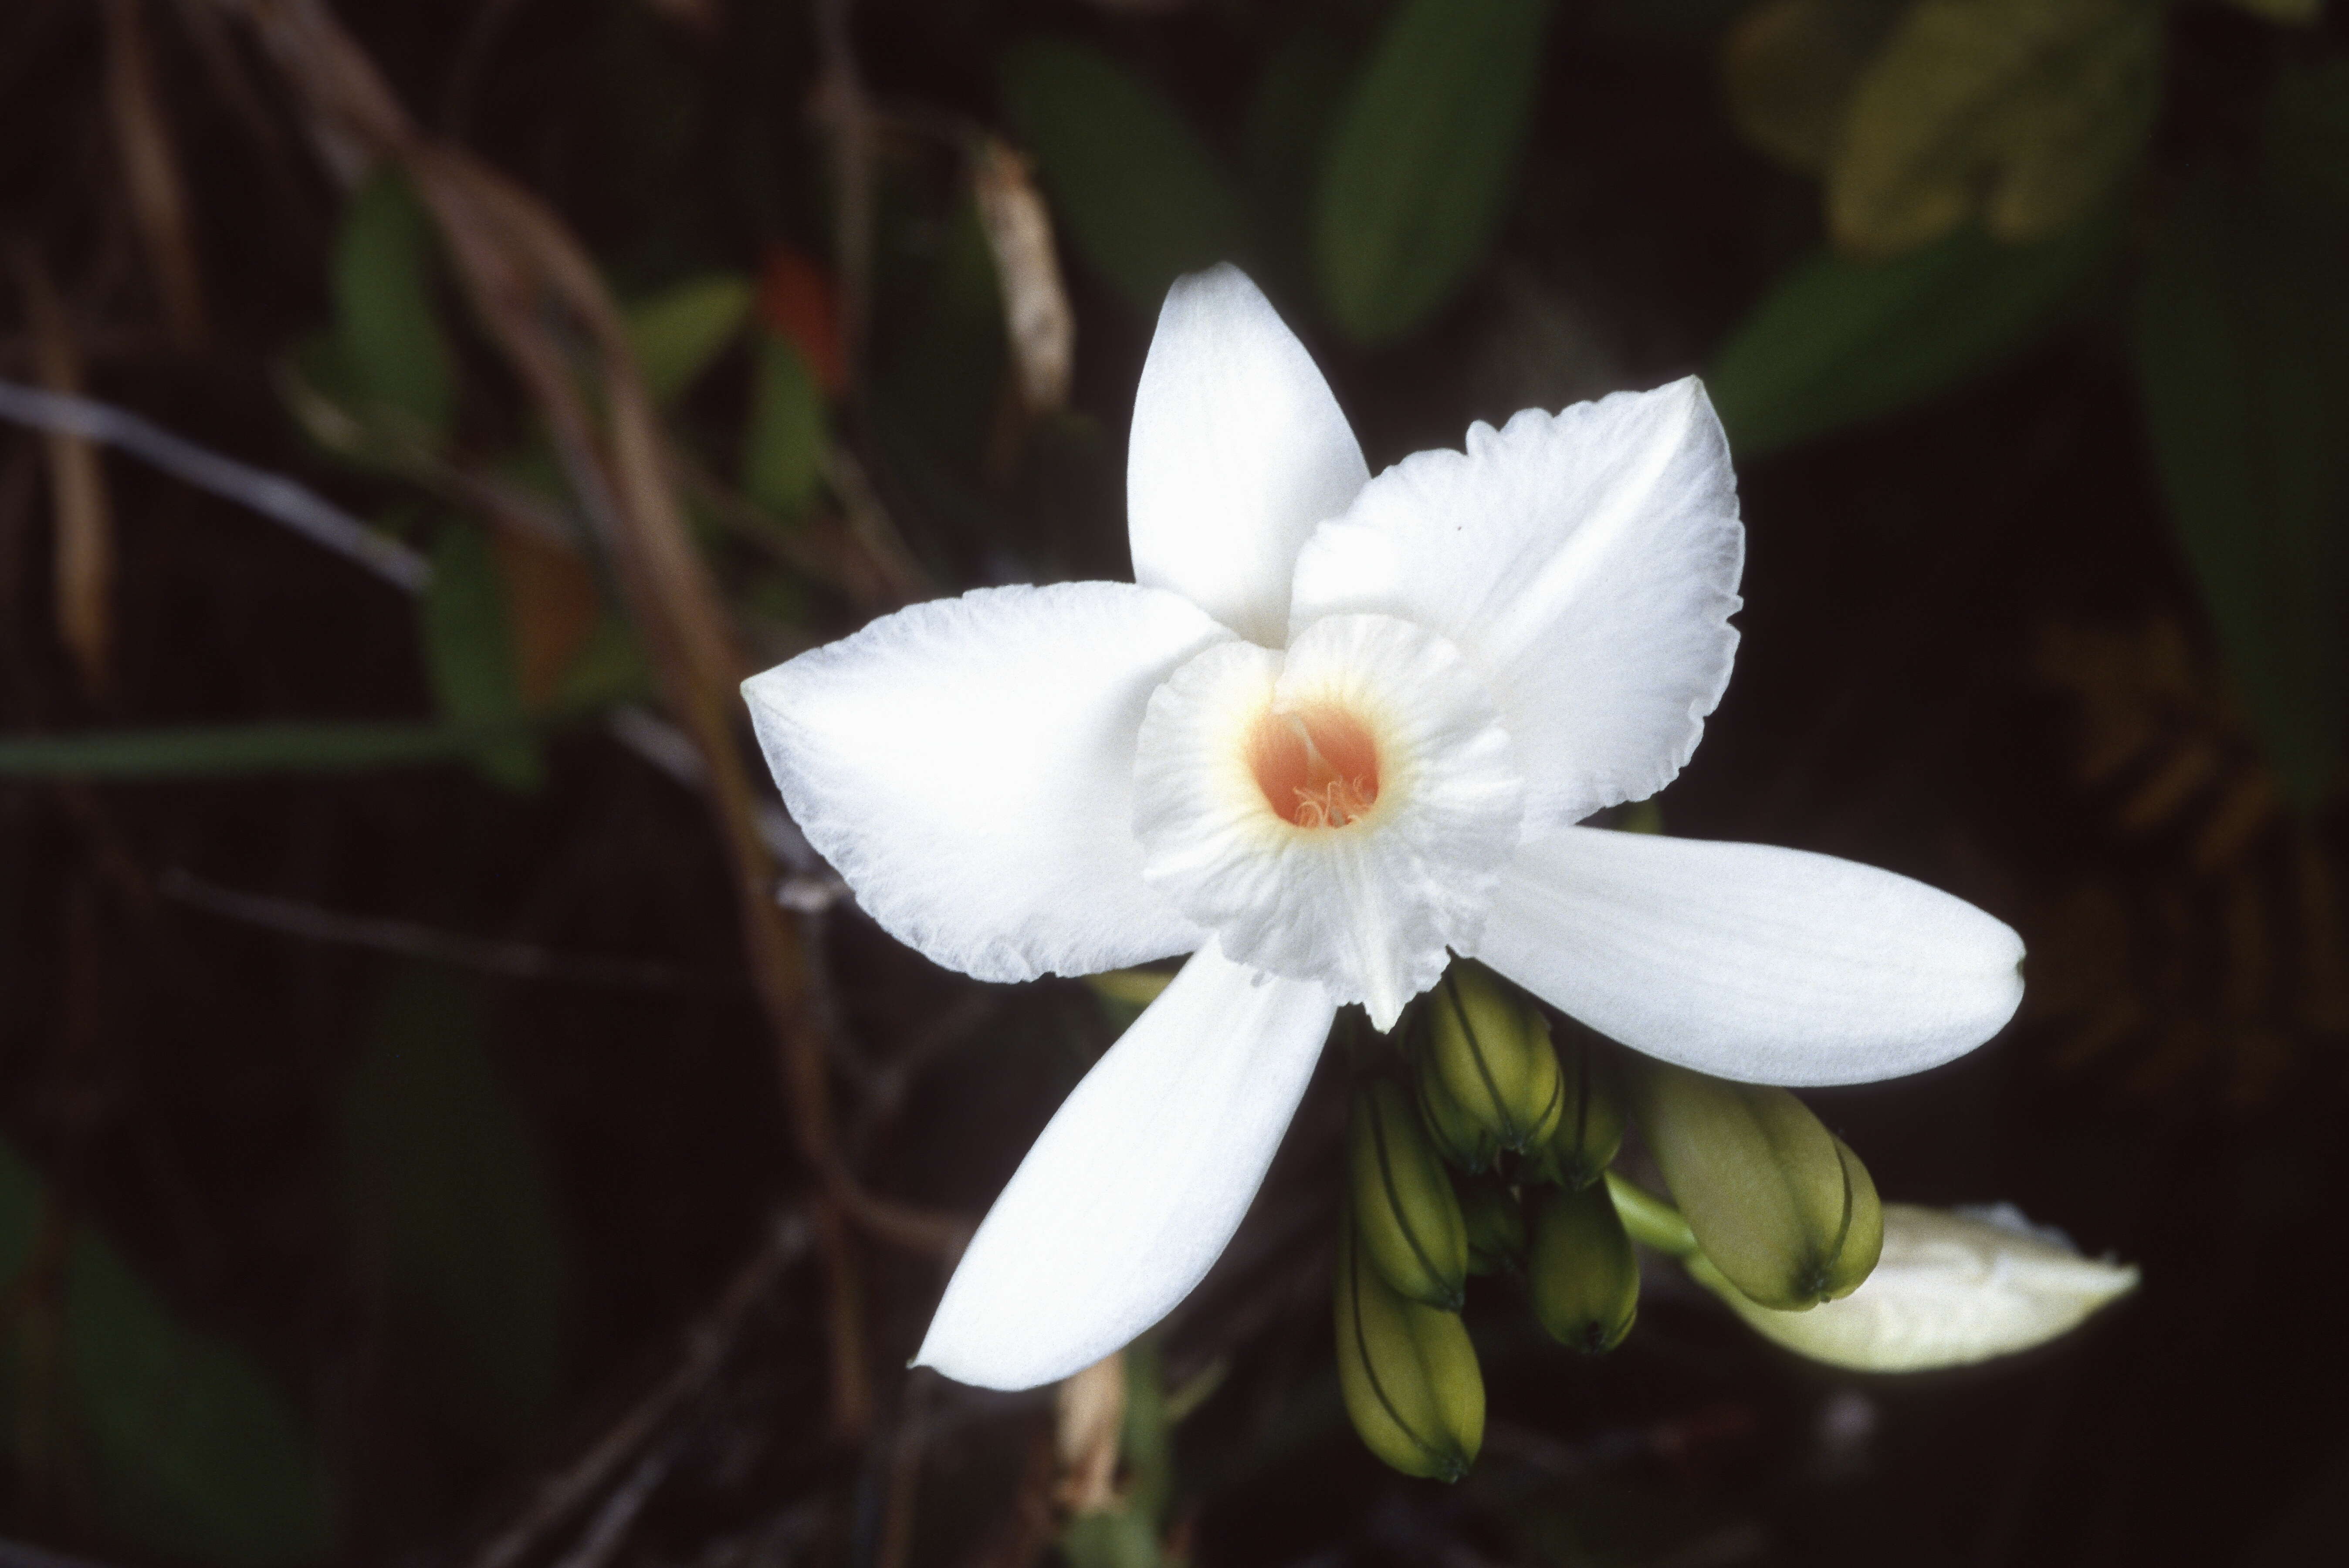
pixel 2243 356
pixel 1422 159
pixel 784 440
pixel 181 1442
pixel 468 635
pixel 388 348
pixel 1838 341
pixel 1142 199
pixel 452 1205
pixel 678 332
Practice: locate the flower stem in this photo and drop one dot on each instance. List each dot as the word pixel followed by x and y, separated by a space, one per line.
pixel 1649 1220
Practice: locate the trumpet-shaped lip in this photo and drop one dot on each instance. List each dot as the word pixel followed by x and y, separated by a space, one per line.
pixel 1335 813
pixel 1317 764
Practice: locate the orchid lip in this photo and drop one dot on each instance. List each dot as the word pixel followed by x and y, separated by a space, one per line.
pixel 1317 765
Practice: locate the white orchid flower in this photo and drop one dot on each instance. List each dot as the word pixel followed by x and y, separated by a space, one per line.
pixel 1338 729
pixel 1953 1287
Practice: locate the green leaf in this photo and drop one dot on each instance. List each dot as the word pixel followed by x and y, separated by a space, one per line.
pixel 451 1195
pixel 2306 137
pixel 1837 341
pixel 782 450
pixel 1138 194
pixel 1297 96
pixel 189 1450
pixel 2243 359
pixel 1423 158
pixel 2021 113
pixel 232 750
pixel 678 333
pixel 469 652
pixel 388 333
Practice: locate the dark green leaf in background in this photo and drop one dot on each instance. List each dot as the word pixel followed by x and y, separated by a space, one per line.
pixel 1135 190
pixel 392 353
pixel 453 1204
pixel 1837 341
pixel 2020 114
pixel 178 1441
pixel 2242 357
pixel 783 448
pixel 1291 116
pixel 469 652
pixel 1423 158
pixel 2306 139
pixel 678 333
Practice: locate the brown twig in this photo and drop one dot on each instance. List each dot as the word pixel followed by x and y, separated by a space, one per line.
pixel 151 172
pixel 898 1517
pixel 83 583
pixel 513 960
pixel 846 113
pixel 539 297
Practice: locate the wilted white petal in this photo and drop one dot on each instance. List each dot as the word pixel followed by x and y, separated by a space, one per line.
pixel 1136 1184
pixel 1360 890
pixel 1950 1290
pixel 1238 449
pixel 1750 961
pixel 1587 562
pixel 968 767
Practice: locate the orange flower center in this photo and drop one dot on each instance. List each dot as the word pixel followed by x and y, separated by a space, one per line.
pixel 1318 765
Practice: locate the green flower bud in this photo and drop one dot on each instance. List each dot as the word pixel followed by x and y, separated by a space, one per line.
pixel 1590 1123
pixel 1783 1210
pixel 1408 1372
pixel 1404 1207
pixel 1491 1048
pixel 1496 1225
pixel 1458 1136
pixel 1584 1277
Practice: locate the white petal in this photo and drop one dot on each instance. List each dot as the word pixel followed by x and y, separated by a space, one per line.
pixel 1238 449
pixel 1137 1182
pixel 1587 562
pixel 1749 962
pixel 1366 908
pixel 1950 1290
pixel 968 767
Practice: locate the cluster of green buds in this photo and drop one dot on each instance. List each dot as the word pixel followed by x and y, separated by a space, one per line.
pixel 1484 1147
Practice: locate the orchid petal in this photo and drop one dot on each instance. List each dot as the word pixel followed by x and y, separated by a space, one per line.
pixel 1953 1288
pixel 1136 1184
pixel 1586 561
pixel 1238 449
pixel 1367 908
pixel 1750 961
pixel 966 766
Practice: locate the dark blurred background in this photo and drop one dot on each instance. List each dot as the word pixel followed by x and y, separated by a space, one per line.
pixel 426 1139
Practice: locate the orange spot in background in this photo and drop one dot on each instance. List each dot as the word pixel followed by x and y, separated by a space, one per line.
pixel 1318 765
pixel 797 300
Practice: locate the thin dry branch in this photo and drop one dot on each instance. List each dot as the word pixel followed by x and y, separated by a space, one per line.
pixel 151 171
pixel 539 297
pixel 273 495
pixel 707 1347
pixel 83 584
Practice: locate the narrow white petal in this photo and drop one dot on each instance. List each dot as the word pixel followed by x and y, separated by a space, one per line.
pixel 1238 449
pixel 1136 1184
pixel 1952 1289
pixel 1749 962
pixel 1366 908
pixel 1587 562
pixel 968 767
